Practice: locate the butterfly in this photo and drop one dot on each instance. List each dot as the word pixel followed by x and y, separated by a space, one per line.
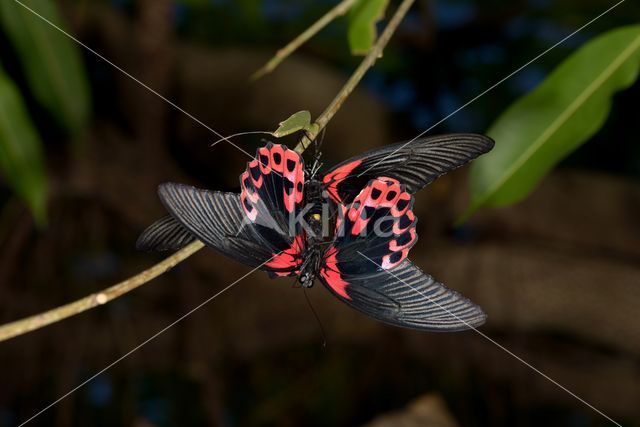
pixel 351 227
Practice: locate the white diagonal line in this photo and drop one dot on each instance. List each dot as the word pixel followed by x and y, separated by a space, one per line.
pixel 495 85
pixel 500 346
pixel 142 344
pixel 153 91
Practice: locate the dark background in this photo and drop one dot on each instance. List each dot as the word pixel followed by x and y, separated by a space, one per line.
pixel 558 274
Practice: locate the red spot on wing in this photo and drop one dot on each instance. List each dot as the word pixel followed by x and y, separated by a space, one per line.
pixel 382 205
pixel 249 208
pixel 395 246
pixel 272 159
pixel 336 177
pixel 277 157
pixel 293 174
pixel 388 262
pixel 381 192
pixel 332 276
pixel 289 258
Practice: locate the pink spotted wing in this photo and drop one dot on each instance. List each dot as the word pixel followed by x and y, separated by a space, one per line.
pixel 251 227
pixel 367 265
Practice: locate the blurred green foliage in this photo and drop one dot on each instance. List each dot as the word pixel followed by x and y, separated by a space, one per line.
pixel 363 17
pixel 56 77
pixel 564 111
pixel 21 158
pixel 51 62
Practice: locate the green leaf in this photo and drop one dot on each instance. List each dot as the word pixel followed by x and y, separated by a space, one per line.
pixel 363 17
pixel 298 121
pixel 50 60
pixel 564 111
pixel 21 159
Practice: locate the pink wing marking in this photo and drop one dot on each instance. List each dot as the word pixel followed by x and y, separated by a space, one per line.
pixel 293 172
pixel 264 158
pixel 276 159
pixel 407 239
pixel 405 221
pixel 249 209
pixel 394 258
pixel 332 276
pixel 334 178
pixel 380 193
pixel 289 257
pixel 255 172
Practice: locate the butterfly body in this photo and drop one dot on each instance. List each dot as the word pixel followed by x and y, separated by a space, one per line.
pixel 351 228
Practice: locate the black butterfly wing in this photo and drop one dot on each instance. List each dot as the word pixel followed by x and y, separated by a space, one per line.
pixel 218 220
pixel 415 164
pixel 366 265
pixel 166 234
pixel 405 296
pixel 251 227
pixel 272 196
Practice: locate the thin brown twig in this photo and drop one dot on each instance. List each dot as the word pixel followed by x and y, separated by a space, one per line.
pixel 339 10
pixel 367 62
pixel 37 321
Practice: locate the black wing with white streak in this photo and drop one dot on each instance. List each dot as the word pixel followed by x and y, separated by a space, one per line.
pixel 405 296
pixel 414 165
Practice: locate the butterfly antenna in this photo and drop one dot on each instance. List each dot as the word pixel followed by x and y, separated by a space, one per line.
pixel 241 134
pixel 315 314
pixel 321 139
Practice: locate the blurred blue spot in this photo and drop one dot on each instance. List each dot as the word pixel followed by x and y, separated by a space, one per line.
pixel 446 102
pixel 546 31
pixel 7 417
pixel 472 86
pixel 278 11
pixel 178 13
pixel 413 23
pixel 121 4
pixel 540 4
pixel 400 95
pixel 517 28
pixel 461 121
pixel 482 55
pixel 422 117
pixel 450 15
pixel 155 410
pixel 463 234
pixel 375 82
pixel 100 391
pixel 552 33
pixel 527 79
pixel 491 53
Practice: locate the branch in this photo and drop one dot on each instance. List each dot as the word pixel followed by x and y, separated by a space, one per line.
pixel 339 10
pixel 367 62
pixel 32 323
